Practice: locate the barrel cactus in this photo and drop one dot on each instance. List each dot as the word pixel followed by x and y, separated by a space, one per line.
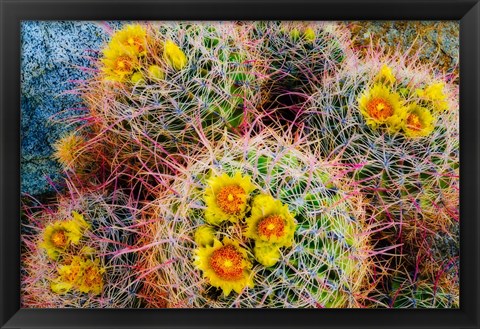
pixel 259 222
pixel 428 274
pixel 395 123
pixel 75 253
pixel 161 87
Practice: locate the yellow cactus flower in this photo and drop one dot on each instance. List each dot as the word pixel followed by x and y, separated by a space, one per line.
pixel 270 222
pixel 118 64
pixel 69 276
pixel 83 275
pixel 419 122
pixel 92 278
pixel 226 198
pixel 386 75
pixel 295 34
pixel 266 254
pixel 379 106
pixel 55 239
pixel 67 149
pixel 137 77
pixel 225 265
pixel 76 227
pixel 132 38
pixel 155 72
pixel 59 235
pixel 87 251
pixel 121 56
pixel 204 235
pixel 309 34
pixel 435 94
pixel 174 55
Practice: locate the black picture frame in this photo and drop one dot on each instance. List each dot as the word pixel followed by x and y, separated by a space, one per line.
pixel 13 12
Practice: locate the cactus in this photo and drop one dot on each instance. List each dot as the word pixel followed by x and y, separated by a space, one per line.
pixel 425 292
pixel 175 84
pixel 434 280
pixel 69 265
pixel 294 54
pixel 327 264
pixel 252 165
pixel 84 155
pixel 399 171
pixel 404 152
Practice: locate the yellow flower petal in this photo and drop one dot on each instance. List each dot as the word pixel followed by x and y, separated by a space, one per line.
pixel 137 77
pixel 60 287
pixel 174 55
pixel 67 149
pixel 83 275
pixel 60 234
pixel 204 235
pixel 270 222
pixel 76 227
pixel 68 276
pixel 266 254
pixel 435 95
pixel 55 239
pixel 419 122
pixel 117 64
pixel 227 197
pixel 155 72
pixel 386 75
pixel 225 265
pixel 92 278
pixel 121 56
pixel 309 34
pixel 80 220
pixel 381 107
pixel 132 38
pixel 295 34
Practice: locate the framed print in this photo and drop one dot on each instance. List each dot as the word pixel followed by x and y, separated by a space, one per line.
pixel 240 164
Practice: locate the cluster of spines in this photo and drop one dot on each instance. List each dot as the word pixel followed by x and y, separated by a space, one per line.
pixel 110 233
pixel 154 125
pixel 413 179
pixel 329 263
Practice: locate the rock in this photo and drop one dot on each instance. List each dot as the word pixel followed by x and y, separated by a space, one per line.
pixel 52 53
pixel 436 42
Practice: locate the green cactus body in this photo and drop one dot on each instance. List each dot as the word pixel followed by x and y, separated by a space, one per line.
pixel 328 262
pixel 412 181
pixel 167 106
pixel 389 164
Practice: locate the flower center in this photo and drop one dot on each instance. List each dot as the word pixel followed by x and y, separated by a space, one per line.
pixel 59 239
pixel 227 263
pixel 231 199
pixel 379 108
pixel 271 226
pixel 123 64
pixel 413 122
pixel 92 277
pixel 73 274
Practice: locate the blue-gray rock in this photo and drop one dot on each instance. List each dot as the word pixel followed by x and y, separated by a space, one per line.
pixel 51 56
